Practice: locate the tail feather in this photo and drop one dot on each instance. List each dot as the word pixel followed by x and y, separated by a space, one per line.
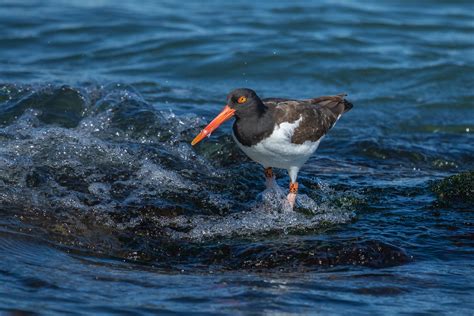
pixel 336 103
pixel 347 105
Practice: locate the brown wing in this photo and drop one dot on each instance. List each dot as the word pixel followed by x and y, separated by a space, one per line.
pixel 318 115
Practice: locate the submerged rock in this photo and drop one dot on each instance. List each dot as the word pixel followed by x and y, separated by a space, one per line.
pixel 98 169
pixel 455 191
pixel 312 254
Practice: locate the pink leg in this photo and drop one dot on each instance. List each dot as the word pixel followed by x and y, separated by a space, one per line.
pixel 292 195
pixel 269 178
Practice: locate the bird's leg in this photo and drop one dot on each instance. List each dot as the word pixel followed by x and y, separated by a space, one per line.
pixel 292 195
pixel 269 178
pixel 293 173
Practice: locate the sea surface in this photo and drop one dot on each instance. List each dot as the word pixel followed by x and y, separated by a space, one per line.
pixel 106 208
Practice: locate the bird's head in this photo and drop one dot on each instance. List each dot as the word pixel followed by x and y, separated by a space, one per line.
pixel 239 103
pixel 242 100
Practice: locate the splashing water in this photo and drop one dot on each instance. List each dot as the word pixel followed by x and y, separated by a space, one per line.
pixel 108 167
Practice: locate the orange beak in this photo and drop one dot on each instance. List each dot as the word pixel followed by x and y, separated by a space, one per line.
pixel 226 114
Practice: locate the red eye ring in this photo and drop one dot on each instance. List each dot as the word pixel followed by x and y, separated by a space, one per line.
pixel 242 99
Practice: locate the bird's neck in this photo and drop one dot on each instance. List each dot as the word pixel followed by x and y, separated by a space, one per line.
pixel 254 124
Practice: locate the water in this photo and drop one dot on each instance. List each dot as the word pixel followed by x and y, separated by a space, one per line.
pixel 106 208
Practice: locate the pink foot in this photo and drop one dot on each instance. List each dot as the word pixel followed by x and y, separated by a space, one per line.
pixel 270 182
pixel 291 199
pixel 292 195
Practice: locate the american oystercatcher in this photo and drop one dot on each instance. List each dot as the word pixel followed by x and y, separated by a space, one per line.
pixel 277 132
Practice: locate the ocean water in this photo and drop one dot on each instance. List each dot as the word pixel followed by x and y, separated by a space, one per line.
pixel 106 208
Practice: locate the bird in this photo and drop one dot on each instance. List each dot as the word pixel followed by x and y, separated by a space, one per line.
pixel 278 132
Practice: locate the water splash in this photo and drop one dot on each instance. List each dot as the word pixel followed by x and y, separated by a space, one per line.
pixel 124 166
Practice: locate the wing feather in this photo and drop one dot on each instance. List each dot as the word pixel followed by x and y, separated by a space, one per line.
pixel 318 115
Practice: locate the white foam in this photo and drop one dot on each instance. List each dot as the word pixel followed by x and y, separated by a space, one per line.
pixel 270 214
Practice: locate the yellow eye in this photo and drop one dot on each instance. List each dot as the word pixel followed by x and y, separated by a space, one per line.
pixel 242 99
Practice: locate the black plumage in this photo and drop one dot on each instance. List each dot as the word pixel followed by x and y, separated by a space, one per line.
pixel 256 118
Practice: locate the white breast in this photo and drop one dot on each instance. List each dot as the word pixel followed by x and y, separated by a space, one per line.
pixel 277 150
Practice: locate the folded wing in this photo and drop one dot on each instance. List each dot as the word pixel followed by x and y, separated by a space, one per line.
pixel 318 115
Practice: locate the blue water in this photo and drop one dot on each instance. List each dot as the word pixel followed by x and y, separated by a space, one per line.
pixel 106 208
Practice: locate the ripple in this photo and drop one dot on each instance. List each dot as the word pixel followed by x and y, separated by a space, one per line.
pixel 97 174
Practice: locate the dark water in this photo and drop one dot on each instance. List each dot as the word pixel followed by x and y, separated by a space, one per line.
pixel 106 208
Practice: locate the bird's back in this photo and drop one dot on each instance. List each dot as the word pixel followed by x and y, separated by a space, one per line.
pixel 317 115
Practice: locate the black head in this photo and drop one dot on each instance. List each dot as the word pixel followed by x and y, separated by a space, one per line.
pixel 243 101
pixel 240 103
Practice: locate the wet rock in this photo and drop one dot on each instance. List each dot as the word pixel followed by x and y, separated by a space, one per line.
pixel 100 170
pixel 307 255
pixel 455 191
